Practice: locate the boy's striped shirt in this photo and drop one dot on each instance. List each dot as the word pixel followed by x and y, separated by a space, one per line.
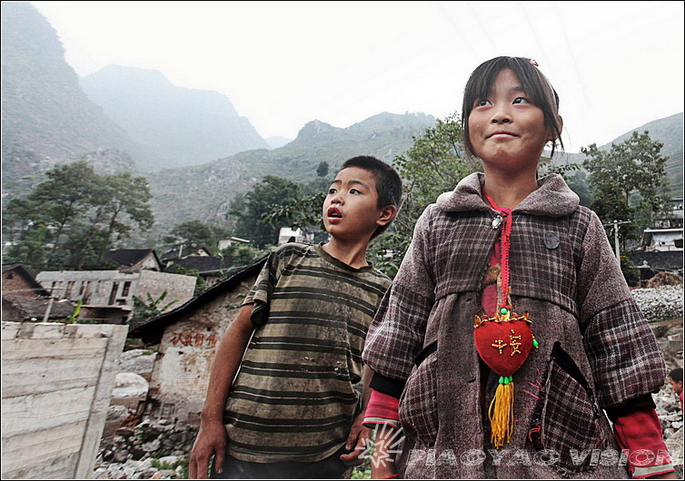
pixel 298 388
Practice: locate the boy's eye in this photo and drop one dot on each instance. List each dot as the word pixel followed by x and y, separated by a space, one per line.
pixel 354 191
pixel 332 191
pixel 482 102
pixel 522 100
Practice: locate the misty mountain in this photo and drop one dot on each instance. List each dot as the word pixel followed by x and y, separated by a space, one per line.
pixel 204 192
pixel 173 126
pixel 46 117
pixel 276 142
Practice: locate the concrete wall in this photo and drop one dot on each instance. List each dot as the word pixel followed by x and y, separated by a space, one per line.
pixel 115 288
pixel 57 381
pixel 177 286
pixel 178 384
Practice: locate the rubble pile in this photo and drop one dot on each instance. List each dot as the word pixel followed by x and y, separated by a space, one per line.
pixel 149 450
pixel 664 302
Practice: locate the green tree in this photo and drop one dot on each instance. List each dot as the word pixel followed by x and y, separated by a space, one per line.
pixel 433 165
pixel 239 254
pixel 123 195
pixel 322 169
pixel 193 235
pixel 248 209
pixel 628 180
pixel 70 219
pixel 64 197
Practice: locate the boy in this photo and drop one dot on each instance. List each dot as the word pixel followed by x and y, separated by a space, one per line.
pixel 675 378
pixel 295 408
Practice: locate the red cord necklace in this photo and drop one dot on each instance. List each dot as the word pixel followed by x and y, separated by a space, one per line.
pixel 504 340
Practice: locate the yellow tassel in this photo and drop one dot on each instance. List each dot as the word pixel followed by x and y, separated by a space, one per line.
pixel 501 412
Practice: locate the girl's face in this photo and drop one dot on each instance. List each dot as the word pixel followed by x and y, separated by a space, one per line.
pixel 506 130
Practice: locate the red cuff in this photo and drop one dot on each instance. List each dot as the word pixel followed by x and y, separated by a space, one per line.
pixel 640 433
pixel 382 405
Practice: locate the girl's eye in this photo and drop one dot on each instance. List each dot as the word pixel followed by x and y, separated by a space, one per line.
pixel 521 100
pixel 482 102
pixel 332 191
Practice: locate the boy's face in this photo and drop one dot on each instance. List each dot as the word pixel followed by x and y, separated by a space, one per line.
pixel 350 210
pixel 676 385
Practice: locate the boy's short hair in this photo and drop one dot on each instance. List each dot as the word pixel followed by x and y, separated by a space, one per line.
pixel 388 182
pixel 676 374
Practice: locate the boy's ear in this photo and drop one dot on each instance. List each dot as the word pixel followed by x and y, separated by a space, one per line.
pixel 386 215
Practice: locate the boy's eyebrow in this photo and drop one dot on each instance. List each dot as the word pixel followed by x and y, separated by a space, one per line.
pixel 356 182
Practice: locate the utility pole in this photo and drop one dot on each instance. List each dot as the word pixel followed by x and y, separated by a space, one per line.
pixel 617 247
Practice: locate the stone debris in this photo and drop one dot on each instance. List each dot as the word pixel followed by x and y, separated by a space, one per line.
pixel 658 303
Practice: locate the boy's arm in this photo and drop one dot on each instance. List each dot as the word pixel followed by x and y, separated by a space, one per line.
pixel 360 436
pixel 211 439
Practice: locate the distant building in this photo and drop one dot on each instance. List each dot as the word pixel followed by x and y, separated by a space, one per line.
pixel 24 299
pixel 224 243
pixel 286 234
pixel 133 259
pixel 210 268
pixel 661 248
pixel 107 296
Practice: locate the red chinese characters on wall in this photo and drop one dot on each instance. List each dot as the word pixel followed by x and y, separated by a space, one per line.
pixel 195 339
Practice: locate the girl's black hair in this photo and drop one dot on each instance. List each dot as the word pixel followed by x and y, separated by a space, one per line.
pixel 533 82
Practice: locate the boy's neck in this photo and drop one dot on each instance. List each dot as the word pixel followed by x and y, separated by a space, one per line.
pixel 353 253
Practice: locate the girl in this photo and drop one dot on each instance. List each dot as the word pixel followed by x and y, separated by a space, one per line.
pixel 509 326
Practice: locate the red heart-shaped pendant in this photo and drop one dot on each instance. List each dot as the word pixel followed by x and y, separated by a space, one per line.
pixel 503 345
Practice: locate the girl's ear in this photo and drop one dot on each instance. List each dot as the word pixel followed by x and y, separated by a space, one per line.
pixel 560 123
pixel 386 215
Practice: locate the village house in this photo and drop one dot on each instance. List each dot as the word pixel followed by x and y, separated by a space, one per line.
pixel 661 248
pixel 24 299
pixel 186 339
pixel 173 256
pixel 210 268
pixel 133 260
pixel 107 296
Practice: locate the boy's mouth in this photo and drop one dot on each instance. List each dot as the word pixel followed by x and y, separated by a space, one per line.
pixel 334 212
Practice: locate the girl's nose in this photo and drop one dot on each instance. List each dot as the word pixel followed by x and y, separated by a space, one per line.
pixel 501 115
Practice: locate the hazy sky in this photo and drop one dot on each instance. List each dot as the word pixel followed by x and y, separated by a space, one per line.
pixel 616 65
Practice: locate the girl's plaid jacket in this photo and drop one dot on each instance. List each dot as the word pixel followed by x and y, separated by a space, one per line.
pixel 565 275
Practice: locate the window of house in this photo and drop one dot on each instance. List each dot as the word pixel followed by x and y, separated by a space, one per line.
pixel 113 294
pixel 126 289
pixel 70 287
